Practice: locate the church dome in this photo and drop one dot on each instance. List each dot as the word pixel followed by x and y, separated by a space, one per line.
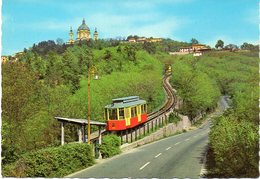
pixel 83 26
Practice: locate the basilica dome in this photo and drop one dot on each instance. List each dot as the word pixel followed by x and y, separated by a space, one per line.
pixel 83 26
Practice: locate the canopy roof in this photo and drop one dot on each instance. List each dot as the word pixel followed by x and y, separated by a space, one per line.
pixel 80 121
pixel 125 102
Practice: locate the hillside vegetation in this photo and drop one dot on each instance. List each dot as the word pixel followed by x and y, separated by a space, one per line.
pixel 233 140
pixel 51 80
pixel 39 87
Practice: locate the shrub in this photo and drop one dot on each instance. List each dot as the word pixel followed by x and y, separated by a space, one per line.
pixel 110 146
pixel 173 118
pixel 234 146
pixel 52 162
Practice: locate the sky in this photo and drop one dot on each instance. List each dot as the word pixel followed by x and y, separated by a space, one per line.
pixel 25 22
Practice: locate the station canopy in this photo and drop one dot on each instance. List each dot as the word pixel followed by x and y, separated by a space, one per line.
pixel 80 121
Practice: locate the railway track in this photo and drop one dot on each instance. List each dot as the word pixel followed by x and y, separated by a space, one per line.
pixel 170 103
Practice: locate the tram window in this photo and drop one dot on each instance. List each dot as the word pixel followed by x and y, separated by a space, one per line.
pixel 121 113
pixel 113 114
pixel 133 111
pixel 143 108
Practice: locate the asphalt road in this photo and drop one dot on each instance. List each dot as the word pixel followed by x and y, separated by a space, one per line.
pixel 178 156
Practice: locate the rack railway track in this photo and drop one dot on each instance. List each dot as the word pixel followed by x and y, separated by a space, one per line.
pixel 169 104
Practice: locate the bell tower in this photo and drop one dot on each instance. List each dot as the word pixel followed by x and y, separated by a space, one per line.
pixel 71 34
pixel 95 35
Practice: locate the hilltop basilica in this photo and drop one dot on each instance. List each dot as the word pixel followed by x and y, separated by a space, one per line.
pixel 83 33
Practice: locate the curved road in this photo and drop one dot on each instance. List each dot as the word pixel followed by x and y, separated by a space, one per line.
pixel 177 156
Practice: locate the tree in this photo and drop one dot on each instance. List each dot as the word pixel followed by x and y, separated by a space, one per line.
pixel 194 41
pixel 108 55
pixel 149 47
pixel 231 47
pixel 59 41
pixel 219 44
pixel 248 46
pixel 20 100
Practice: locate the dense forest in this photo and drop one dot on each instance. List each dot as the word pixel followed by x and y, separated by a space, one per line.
pixel 50 80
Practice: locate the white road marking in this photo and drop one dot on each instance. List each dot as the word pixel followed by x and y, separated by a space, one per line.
pixel 187 139
pixel 158 155
pixel 177 143
pixel 168 148
pixel 144 166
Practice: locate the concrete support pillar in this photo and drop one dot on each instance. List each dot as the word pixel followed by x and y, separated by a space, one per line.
pixel 121 136
pixel 80 133
pixel 131 135
pixel 135 134
pixel 127 135
pixel 62 133
pixel 83 133
pixel 99 141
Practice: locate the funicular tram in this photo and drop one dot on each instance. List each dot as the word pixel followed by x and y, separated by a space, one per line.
pixel 168 69
pixel 125 113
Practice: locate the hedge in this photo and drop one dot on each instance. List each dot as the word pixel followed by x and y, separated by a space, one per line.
pixel 110 146
pixel 52 162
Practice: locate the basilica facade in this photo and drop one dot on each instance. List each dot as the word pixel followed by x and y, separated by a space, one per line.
pixel 83 34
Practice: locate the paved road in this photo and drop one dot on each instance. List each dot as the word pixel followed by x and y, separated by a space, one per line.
pixel 177 156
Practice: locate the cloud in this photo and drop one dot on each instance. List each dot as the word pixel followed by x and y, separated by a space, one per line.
pixel 145 24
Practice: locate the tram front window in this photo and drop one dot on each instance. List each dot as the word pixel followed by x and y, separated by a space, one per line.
pixel 143 108
pixel 112 114
pixel 106 112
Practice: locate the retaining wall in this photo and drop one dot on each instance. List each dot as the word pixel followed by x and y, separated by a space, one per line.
pixel 167 130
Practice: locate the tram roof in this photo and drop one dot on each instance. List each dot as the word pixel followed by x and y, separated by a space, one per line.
pixel 125 102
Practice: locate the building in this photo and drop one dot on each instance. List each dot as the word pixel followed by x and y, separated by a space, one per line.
pixel 95 35
pixel 131 40
pixel 4 59
pixel 71 34
pixel 196 47
pixel 197 53
pixel 154 39
pixel 185 49
pixel 143 39
pixel 83 34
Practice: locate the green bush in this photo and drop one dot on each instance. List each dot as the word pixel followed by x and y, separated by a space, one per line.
pixel 110 146
pixel 52 162
pixel 173 118
pixel 234 146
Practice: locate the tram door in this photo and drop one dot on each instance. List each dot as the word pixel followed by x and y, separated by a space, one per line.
pixel 139 113
pixel 127 116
